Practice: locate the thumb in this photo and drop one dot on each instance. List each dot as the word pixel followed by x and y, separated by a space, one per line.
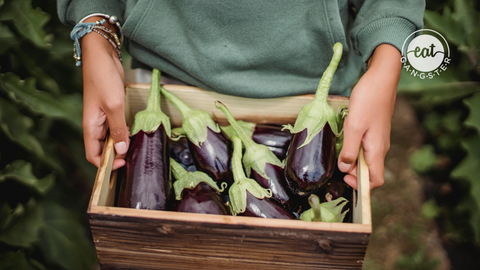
pixel 118 130
pixel 349 153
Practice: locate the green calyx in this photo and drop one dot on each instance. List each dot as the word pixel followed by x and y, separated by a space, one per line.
pixel 190 180
pixel 341 115
pixel 316 114
pixel 242 185
pixel 248 128
pixel 256 155
pixel 325 212
pixel 195 122
pixel 152 117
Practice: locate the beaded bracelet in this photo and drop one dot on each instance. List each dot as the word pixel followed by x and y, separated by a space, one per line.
pixel 81 29
pixel 111 19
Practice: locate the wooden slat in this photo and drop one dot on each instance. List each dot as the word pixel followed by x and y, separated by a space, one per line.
pixel 362 210
pixel 282 110
pixel 101 189
pixel 142 243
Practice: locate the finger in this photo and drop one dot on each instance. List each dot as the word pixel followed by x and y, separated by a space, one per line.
pixel 351 145
pixel 94 134
pixel 375 161
pixel 118 163
pixel 118 127
pixel 374 154
pixel 351 177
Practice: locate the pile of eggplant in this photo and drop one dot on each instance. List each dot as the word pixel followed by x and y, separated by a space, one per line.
pixel 243 169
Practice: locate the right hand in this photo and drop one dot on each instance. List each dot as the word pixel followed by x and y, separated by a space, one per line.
pixel 103 98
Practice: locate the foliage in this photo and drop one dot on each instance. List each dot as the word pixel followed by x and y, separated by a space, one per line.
pixel 45 180
pixel 449 109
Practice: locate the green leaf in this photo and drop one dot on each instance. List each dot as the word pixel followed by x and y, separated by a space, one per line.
pixel 28 21
pixel 25 92
pixel 63 240
pixel 469 168
pixel 24 231
pixel 430 209
pixel 18 260
pixel 7 38
pixel 16 127
pixel 21 171
pixel 423 159
pixel 468 205
pixel 446 24
pixel 473 103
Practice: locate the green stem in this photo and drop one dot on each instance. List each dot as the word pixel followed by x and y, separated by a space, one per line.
pixel 314 202
pixel 154 97
pixel 326 80
pixel 239 130
pixel 177 102
pixel 237 167
pixel 177 169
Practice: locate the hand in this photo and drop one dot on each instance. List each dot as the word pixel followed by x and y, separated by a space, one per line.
pixel 103 98
pixel 370 115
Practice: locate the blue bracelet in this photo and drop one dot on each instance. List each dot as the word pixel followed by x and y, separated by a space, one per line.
pixel 80 30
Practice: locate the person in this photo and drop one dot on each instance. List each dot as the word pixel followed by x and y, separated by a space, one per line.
pixel 251 48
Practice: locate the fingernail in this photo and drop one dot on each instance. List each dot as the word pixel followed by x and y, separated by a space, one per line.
pixel 344 167
pixel 121 148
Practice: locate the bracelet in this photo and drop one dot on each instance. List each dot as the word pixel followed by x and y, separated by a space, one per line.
pixel 81 29
pixel 117 47
pixel 111 19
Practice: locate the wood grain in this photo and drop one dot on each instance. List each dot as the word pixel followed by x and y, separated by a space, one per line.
pixel 142 243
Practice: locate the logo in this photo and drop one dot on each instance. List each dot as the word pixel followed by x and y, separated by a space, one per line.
pixel 425 54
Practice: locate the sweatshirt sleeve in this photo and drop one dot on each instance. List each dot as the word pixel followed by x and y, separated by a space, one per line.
pixel 71 12
pixel 384 21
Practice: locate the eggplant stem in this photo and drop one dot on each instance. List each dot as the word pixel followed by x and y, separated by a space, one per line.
pixel 237 167
pixel 240 132
pixel 154 97
pixel 324 85
pixel 177 102
pixel 314 202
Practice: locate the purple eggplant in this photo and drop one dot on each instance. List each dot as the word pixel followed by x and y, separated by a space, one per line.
pixel 311 156
pixel 309 167
pixel 272 136
pixel 210 149
pixel 247 197
pixel 196 192
pixel 146 178
pixel 260 163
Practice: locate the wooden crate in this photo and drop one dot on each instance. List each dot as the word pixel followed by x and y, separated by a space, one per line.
pixel 146 239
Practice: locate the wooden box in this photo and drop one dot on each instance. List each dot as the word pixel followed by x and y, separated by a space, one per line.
pixel 146 239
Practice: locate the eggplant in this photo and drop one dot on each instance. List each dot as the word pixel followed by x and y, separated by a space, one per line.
pixel 247 197
pixel 308 168
pixel 210 149
pixel 260 163
pixel 196 192
pixel 147 170
pixel 332 211
pixel 272 136
pixel 180 152
pixel 311 157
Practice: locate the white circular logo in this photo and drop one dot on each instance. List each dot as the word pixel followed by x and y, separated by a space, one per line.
pixel 425 54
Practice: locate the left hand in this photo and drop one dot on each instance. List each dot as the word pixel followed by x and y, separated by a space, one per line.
pixel 370 114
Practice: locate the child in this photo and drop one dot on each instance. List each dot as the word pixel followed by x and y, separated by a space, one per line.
pixel 238 47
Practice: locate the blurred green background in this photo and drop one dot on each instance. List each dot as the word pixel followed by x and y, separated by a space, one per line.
pixel 427 215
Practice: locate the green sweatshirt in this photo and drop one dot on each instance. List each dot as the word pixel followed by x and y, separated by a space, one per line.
pixel 255 48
